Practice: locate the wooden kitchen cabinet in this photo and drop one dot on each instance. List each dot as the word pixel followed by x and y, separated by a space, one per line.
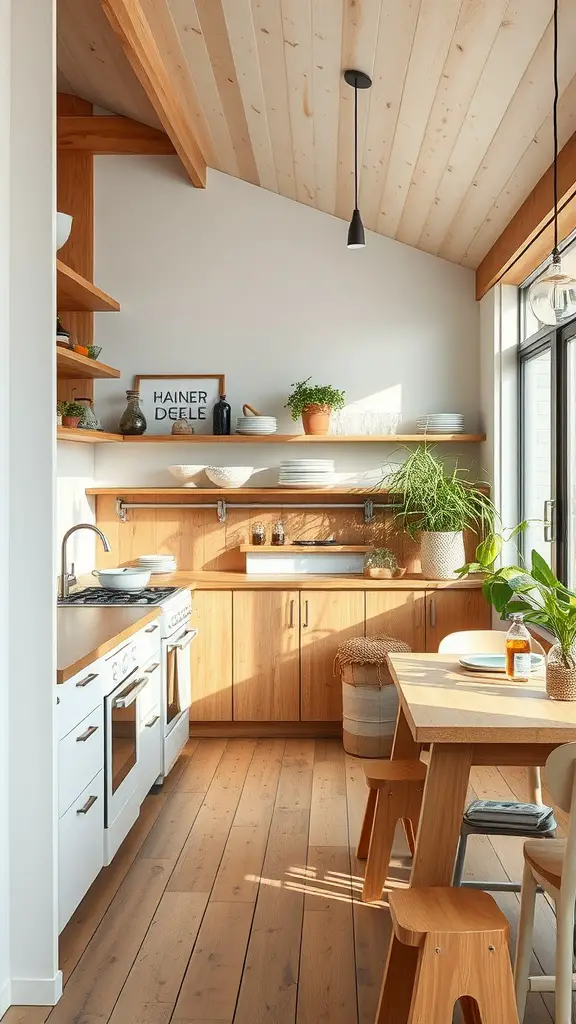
pixel 399 613
pixel 327 617
pixel 449 611
pixel 266 656
pixel 211 657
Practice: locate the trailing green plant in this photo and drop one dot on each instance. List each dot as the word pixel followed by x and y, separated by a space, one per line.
pixel 61 408
pixel 75 410
pixel 381 558
pixel 433 501
pixel 306 394
pixel 536 592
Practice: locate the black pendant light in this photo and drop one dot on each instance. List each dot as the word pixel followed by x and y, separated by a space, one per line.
pixel 358 80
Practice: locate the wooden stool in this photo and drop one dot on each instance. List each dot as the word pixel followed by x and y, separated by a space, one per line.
pixel 396 789
pixel 461 937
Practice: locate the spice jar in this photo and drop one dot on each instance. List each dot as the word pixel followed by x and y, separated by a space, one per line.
pixel 258 534
pixel 278 533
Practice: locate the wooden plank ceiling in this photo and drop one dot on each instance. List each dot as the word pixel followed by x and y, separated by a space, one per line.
pixel 453 135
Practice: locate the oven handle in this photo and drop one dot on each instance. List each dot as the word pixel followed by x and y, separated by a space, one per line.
pixel 184 641
pixel 130 694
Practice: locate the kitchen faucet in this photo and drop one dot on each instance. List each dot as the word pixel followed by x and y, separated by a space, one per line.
pixel 67 578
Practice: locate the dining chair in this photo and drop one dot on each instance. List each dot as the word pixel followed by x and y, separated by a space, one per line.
pixel 552 865
pixel 493 641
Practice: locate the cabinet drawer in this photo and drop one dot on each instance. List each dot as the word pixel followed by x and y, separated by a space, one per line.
pixel 150 750
pixel 150 695
pixel 80 758
pixel 81 846
pixel 79 696
pixel 151 634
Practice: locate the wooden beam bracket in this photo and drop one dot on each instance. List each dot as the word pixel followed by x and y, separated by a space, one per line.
pixel 109 135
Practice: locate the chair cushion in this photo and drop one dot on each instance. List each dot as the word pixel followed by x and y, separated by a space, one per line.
pixel 416 912
pixel 378 773
pixel 546 857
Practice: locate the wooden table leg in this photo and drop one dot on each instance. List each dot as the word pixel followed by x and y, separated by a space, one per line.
pixel 404 747
pixel 444 800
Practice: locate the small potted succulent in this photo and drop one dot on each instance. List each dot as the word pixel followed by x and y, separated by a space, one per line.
pixel 382 564
pixel 60 410
pixel 72 414
pixel 314 403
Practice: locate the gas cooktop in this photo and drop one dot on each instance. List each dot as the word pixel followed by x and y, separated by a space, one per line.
pixel 94 597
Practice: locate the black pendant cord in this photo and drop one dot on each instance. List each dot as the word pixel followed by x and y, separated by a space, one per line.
pixel 555 254
pixel 356 145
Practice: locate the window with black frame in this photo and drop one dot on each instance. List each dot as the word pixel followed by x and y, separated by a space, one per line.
pixel 547 373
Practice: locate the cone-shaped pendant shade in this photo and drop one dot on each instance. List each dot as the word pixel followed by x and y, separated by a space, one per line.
pixel 356 232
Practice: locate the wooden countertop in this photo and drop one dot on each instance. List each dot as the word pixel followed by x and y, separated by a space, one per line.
pixel 85 634
pixel 202 580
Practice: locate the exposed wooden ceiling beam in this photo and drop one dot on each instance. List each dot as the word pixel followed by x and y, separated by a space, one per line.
pixel 130 23
pixel 111 134
pixel 528 238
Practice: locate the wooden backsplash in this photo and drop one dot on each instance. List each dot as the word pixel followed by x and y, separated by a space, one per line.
pixel 198 541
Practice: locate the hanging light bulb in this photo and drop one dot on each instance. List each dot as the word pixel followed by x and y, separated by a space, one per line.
pixel 552 297
pixel 356 237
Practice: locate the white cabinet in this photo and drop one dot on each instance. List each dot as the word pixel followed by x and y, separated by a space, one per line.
pixel 81 757
pixel 80 695
pixel 150 729
pixel 81 852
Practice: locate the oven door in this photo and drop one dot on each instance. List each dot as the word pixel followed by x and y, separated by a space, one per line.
pixel 122 743
pixel 178 676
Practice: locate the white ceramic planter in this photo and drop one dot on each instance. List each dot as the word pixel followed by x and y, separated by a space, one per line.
pixel 441 554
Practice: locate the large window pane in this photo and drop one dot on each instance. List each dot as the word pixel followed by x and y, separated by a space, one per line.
pixel 537 450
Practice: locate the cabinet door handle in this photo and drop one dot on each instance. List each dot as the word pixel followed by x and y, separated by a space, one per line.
pixel 432 613
pixel 305 623
pixel 152 668
pixel 151 629
pixel 89 803
pixel 86 735
pixel 87 679
pixel 291 620
pixel 152 722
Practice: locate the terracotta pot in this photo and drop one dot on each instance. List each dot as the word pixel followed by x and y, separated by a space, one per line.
pixel 70 421
pixel 316 419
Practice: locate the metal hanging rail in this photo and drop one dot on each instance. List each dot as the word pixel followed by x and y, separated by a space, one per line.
pixel 221 506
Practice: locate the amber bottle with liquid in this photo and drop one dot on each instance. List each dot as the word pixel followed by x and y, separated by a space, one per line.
pixel 518 648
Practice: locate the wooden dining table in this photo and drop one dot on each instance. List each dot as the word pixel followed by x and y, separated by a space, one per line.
pixel 468 718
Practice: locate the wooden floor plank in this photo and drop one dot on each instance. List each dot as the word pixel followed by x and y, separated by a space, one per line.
pixel 202 766
pixel 171 831
pixel 328 814
pixel 259 794
pixel 213 977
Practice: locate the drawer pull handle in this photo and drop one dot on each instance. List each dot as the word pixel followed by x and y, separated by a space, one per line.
pixel 87 679
pixel 151 629
pixel 305 623
pixel 291 622
pixel 152 722
pixel 86 735
pixel 432 613
pixel 89 803
pixel 152 667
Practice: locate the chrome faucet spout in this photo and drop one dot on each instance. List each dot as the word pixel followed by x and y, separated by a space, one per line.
pixel 64 575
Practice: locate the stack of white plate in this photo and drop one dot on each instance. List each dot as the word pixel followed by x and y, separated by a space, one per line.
pixel 256 425
pixel 158 563
pixel 440 423
pixel 306 473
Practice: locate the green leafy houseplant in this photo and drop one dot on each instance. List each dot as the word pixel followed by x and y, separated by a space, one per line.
pixel 536 592
pixel 73 413
pixel 306 394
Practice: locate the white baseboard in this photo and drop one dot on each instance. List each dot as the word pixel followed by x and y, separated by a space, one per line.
pixel 36 991
pixel 4 999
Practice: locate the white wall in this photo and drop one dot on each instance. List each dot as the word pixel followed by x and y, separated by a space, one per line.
pixel 75 472
pixel 32 823
pixel 238 280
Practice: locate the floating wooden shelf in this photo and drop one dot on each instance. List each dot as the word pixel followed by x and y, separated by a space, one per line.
pixel 86 436
pixel 76 366
pixel 305 549
pixel 75 294
pixel 304 438
pixel 241 492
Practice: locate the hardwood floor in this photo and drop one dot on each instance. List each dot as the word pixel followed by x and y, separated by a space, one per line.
pixel 236 897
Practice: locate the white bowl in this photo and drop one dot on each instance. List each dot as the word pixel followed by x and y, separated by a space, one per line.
pixel 189 476
pixel 131 580
pixel 63 229
pixel 229 476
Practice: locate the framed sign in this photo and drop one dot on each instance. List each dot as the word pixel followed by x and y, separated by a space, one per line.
pixel 169 397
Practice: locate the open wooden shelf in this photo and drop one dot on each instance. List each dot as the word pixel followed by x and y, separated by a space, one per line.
pixel 86 436
pixel 305 549
pixel 241 492
pixel 75 294
pixel 304 438
pixel 76 366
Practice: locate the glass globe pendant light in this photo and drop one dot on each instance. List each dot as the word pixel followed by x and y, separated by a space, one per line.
pixel 356 237
pixel 552 297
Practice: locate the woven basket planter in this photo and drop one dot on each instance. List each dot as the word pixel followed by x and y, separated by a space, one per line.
pixel 560 678
pixel 441 554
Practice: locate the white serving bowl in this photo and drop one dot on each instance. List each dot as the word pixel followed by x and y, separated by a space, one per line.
pixel 229 476
pixel 63 229
pixel 189 476
pixel 131 580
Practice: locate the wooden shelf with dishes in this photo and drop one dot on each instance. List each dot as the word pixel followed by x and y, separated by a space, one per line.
pixel 305 438
pixel 239 493
pixel 80 367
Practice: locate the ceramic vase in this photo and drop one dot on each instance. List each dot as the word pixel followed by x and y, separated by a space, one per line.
pixel 441 554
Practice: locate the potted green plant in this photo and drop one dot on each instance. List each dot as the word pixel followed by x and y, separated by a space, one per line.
pixel 314 403
pixel 381 563
pixel 437 506
pixel 72 414
pixel 60 410
pixel 542 599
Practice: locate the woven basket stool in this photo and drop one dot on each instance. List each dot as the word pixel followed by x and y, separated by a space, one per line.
pixel 369 698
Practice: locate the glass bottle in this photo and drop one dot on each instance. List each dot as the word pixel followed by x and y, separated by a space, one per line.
pixel 518 648
pixel 258 534
pixel 278 533
pixel 133 420
pixel 221 417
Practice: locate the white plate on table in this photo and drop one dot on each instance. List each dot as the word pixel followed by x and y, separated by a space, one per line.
pixel 494 662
